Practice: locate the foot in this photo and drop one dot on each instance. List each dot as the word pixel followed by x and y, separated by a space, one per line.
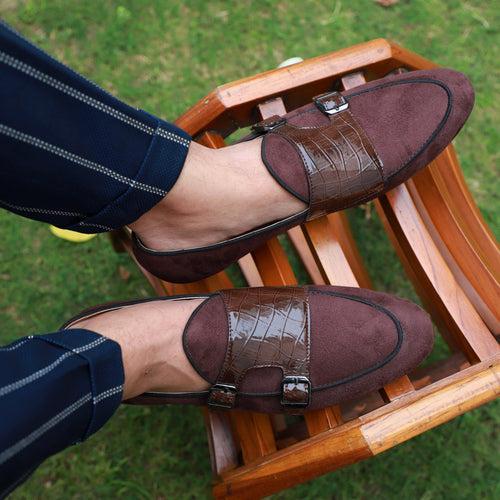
pixel 150 337
pixel 219 194
pixel 272 349
pixel 398 129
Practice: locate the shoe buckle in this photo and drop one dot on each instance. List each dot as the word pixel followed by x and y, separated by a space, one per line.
pixel 331 102
pixel 222 396
pixel 268 124
pixel 295 391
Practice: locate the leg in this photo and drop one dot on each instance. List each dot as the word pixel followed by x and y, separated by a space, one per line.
pixel 58 389
pixel 70 153
pixel 55 390
pixel 75 156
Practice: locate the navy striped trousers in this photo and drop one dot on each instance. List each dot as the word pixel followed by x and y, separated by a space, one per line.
pixel 74 156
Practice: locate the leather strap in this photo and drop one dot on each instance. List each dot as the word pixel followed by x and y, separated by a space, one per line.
pixel 342 166
pixel 268 327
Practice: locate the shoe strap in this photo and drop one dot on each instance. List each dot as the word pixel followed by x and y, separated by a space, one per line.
pixel 342 166
pixel 268 328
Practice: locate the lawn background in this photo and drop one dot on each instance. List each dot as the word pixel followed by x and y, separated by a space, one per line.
pixel 162 56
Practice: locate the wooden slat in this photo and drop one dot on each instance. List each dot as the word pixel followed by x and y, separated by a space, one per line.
pixel 301 246
pixel 472 221
pixel 280 81
pixel 273 265
pixel 279 422
pixel 402 57
pixel 221 443
pixel 250 271
pixel 434 405
pixel 184 288
pixel 353 79
pixel 211 140
pixel 298 83
pixel 431 272
pixel 340 226
pixel 321 420
pixel 422 290
pixel 211 284
pixel 295 464
pixel 255 434
pixel 397 388
pixel 360 406
pixel 444 203
pixel 272 107
pixel 217 282
pixel 328 253
pixel 231 106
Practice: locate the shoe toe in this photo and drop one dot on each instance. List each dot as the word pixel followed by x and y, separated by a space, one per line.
pixel 411 118
pixel 361 340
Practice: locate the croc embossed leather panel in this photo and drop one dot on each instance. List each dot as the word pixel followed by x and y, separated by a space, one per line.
pixel 343 149
pixel 291 349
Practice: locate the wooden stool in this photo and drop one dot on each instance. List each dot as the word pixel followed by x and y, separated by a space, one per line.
pixel 445 246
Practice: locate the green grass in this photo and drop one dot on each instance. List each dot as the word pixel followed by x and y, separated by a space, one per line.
pixel 162 56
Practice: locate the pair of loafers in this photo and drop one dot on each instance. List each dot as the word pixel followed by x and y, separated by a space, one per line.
pixel 300 348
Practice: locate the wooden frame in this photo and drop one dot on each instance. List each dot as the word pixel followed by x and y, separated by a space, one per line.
pixel 447 250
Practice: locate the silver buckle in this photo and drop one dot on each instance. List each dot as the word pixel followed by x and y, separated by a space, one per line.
pixel 222 396
pixel 296 382
pixel 331 102
pixel 268 124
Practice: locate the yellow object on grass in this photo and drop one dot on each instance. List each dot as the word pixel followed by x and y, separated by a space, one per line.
pixel 72 236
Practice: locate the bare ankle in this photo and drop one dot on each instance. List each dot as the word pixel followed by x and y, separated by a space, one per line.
pixel 214 184
pixel 150 337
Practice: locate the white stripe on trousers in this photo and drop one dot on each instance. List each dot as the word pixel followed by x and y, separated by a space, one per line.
pixel 35 210
pixel 18 384
pixel 66 89
pixel 33 436
pixel 51 148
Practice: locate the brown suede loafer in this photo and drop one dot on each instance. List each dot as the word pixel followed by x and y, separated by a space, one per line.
pixel 295 348
pixel 342 150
